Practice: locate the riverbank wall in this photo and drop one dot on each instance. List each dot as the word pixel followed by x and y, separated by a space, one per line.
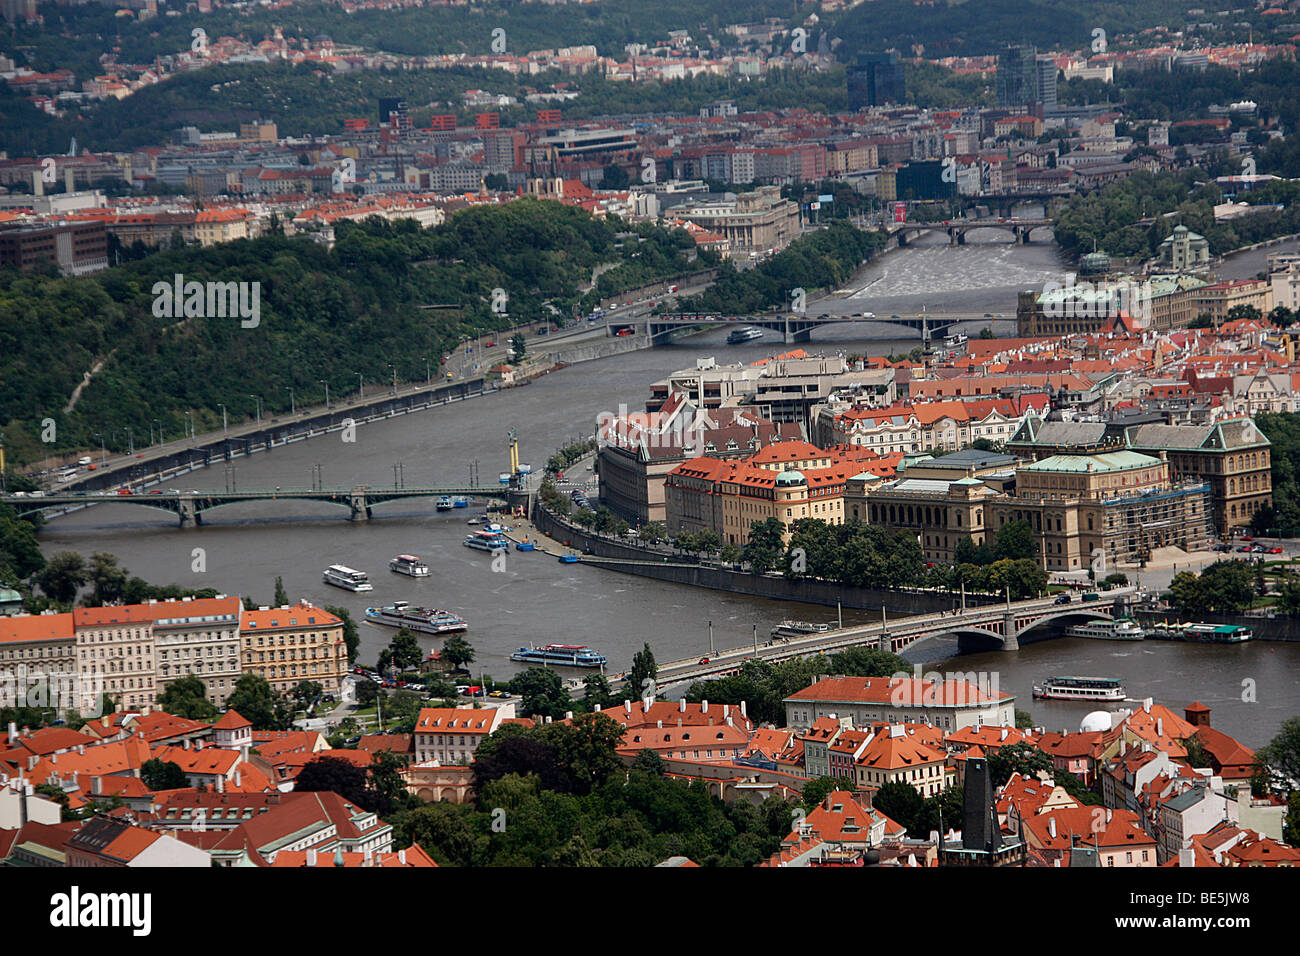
pixel 677 568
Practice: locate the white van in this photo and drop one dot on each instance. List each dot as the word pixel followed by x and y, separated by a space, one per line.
pixel 84 460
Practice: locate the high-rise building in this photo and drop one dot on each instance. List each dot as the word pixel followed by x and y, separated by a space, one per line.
pixel 1046 82
pixel 876 79
pixel 1017 79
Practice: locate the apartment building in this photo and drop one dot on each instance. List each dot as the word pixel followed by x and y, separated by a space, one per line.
pixel 948 705
pixel 199 638
pixel 751 222
pixel 451 735
pixel 287 645
pixel 116 644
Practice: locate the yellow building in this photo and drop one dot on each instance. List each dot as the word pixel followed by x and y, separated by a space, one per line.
pixel 287 645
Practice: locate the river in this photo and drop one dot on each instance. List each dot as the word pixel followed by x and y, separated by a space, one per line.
pixel 537 600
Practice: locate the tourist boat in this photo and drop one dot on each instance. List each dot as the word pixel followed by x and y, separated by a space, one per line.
pixel 444 503
pixel 954 341
pixel 488 541
pixel 1121 629
pixel 570 655
pixel 798 629
pixel 1080 688
pixel 1203 633
pixel 422 619
pixel 348 579
pixel 410 565
pixel 740 336
pixel 525 546
pixel 460 502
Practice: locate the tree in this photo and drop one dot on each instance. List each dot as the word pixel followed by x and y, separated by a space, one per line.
pixel 306 693
pixel 597 692
pixel 187 697
pixel 518 750
pixel 765 546
pixel 404 651
pixel 367 692
pixel 386 781
pixel 457 652
pixel 1023 759
pixel 543 693
pixel 351 637
pixel 518 348
pixel 255 701
pixel 587 750
pixel 901 803
pixel 336 775
pixel 163 775
pixel 1281 755
pixel 62 576
pixel 641 678
pixel 653 532
pixel 815 791
pixel 1024 720
pixel 109 580
pixel 281 596
pixel 1014 541
pixel 647 761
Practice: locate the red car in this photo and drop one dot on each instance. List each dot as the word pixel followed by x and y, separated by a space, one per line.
pixel 704 660
pixel 620 333
pixel 1246 537
pixel 491 345
pixel 124 491
pixel 1244 547
pixel 1275 550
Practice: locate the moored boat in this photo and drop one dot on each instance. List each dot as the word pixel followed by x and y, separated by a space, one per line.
pixel 739 336
pixel 487 540
pixel 1120 629
pixel 799 629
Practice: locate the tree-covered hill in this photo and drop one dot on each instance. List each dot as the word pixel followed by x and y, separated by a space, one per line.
pixel 326 314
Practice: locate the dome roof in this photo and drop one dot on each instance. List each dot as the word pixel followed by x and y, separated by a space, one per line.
pixel 789 478
pixel 1097 720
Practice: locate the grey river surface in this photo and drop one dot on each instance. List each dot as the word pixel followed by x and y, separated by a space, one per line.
pixel 537 600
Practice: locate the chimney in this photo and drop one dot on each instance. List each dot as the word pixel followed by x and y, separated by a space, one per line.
pixel 568 715
pixel 1123 746
pixel 96 785
pixel 311 857
pixel 681 705
pixel 1109 813
pixel 726 710
pixel 1160 726
pixel 401 857
pixel 1146 705
pixel 744 712
pixel 597 708
pixel 1187 856
pixel 645 704
pixel 13 731
pixel 704 707
pixel 1051 827
pixel 659 724
pixel 627 706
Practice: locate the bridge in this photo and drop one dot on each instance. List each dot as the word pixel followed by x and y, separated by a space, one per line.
pixel 958 228
pixel 192 505
pixel 1000 626
pixel 797 327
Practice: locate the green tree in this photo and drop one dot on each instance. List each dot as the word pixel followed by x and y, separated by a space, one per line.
pixel 543 693
pixel 404 651
pixel 518 348
pixel 187 697
pixel 306 693
pixel 901 803
pixel 1281 755
pixel 281 596
pixel 107 578
pixel 1014 541
pixel 1024 720
pixel 457 652
pixel 641 678
pixel 586 749
pixel 351 637
pixel 63 575
pixel 163 775
pixel 1023 759
pixel 333 774
pixel 255 701
pixel 765 546
pixel 597 692
pixel 816 790
pixel 653 533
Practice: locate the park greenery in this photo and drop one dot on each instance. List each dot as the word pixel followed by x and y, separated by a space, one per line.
pixel 338 315
pixel 819 260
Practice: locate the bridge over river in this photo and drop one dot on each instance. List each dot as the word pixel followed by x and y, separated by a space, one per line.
pixel 1000 626
pixel 192 505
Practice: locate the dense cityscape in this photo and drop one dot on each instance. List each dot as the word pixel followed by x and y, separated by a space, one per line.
pixel 482 434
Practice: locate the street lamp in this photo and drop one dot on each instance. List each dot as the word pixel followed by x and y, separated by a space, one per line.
pixel 293 408
pixel 130 441
pixel 394 368
pixel 160 434
pixel 428 373
pixel 190 416
pixel 327 393
pixel 361 386
pixel 103 451
pixel 224 423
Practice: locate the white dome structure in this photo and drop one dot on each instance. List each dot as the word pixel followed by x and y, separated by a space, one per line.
pixel 1097 720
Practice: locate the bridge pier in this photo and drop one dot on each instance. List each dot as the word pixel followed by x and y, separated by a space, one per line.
pixel 185 510
pixel 360 508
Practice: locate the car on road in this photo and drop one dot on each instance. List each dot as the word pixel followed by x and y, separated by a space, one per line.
pixel 1274 550
pixel 1257 548
pixel 124 491
pixel 704 660
pixel 84 460
pixel 1062 599
pixel 623 332
pixel 1244 547
pixel 462 688
pixel 1223 547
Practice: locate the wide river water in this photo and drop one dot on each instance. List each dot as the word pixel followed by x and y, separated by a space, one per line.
pixel 537 600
